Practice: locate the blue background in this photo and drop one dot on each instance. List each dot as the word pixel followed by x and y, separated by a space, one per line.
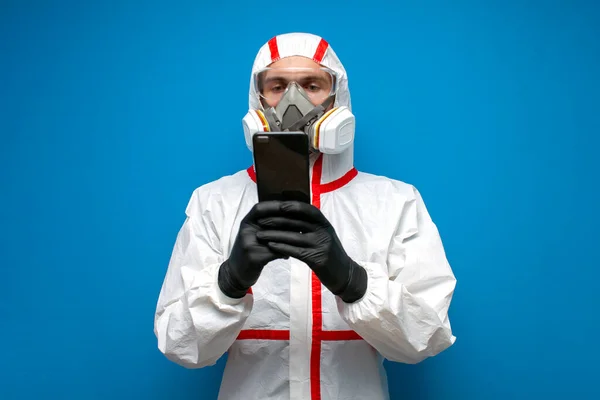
pixel 112 112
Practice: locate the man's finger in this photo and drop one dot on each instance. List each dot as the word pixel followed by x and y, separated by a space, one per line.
pixel 267 254
pixel 298 253
pixel 264 209
pixel 303 211
pixel 286 237
pixel 286 224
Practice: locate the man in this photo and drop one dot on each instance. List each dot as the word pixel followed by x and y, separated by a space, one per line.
pixel 306 299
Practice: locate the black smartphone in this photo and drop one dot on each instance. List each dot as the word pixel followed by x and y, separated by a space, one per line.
pixel 282 166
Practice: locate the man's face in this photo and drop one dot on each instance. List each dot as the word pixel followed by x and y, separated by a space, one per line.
pixel 316 82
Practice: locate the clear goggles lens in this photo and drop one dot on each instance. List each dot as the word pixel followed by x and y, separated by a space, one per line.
pixel 318 83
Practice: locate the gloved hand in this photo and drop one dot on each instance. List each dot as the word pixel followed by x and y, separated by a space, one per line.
pixel 248 257
pixel 301 231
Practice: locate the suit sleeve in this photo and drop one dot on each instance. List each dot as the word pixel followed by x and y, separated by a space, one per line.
pixel 404 312
pixel 195 322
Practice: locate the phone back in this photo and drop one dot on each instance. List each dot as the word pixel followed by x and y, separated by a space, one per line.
pixel 282 166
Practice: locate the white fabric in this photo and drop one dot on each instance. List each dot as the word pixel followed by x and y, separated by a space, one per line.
pixel 383 225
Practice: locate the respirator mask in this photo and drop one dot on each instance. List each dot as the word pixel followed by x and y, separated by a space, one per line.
pixel 301 99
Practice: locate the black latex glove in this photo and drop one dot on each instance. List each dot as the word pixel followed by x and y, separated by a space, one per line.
pixel 301 231
pixel 248 257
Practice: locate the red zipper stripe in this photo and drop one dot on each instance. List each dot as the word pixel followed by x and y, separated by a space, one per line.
pixel 318 334
pixel 317 314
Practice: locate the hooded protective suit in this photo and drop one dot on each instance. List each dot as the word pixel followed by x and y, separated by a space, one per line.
pixel 289 337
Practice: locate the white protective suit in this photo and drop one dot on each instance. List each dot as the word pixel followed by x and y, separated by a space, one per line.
pixel 289 337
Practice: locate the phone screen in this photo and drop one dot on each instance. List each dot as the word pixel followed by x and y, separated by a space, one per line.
pixel 282 166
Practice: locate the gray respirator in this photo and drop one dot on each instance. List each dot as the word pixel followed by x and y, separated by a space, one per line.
pixel 330 131
pixel 295 112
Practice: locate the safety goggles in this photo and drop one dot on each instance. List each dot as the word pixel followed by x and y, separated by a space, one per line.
pixel 318 83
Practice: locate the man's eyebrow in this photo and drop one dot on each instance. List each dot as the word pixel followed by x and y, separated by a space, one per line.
pixel 270 79
pixel 313 77
pixel 305 78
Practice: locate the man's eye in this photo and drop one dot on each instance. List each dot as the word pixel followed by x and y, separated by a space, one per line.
pixel 312 87
pixel 276 88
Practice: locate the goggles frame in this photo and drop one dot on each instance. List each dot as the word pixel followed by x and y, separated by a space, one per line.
pixel 305 76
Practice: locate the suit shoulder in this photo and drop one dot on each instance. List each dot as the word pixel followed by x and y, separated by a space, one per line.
pixel 218 190
pixel 379 183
